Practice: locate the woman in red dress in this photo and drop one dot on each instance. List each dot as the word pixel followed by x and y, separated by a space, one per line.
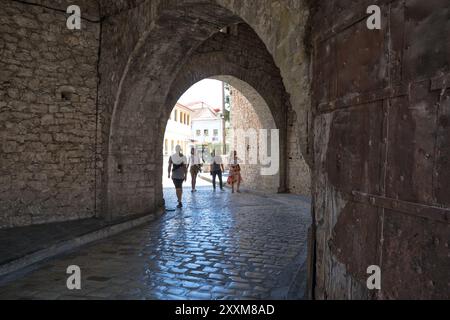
pixel 235 177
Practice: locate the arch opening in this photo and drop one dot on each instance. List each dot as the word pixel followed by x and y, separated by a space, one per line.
pixel 239 121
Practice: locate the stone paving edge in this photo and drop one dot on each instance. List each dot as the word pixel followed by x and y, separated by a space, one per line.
pixel 77 242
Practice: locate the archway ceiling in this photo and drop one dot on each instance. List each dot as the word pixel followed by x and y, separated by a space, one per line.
pixel 94 10
pixel 112 7
pixel 209 10
pixel 174 36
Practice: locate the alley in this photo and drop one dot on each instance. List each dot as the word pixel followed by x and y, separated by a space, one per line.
pixel 220 246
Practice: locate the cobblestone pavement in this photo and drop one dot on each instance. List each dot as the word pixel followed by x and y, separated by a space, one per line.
pixel 220 246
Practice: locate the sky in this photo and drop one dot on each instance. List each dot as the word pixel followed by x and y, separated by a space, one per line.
pixel 208 91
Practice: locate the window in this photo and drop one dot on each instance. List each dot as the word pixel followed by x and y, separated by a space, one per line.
pixel 206 133
pixel 199 133
pixel 166 146
pixel 216 132
pixel 175 115
pixel 188 120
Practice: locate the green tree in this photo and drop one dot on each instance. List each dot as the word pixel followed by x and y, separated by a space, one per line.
pixel 228 106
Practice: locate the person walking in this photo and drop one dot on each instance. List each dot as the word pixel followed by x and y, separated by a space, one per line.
pixel 235 177
pixel 195 168
pixel 217 170
pixel 178 170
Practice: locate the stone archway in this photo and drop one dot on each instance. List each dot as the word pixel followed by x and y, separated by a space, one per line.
pixel 152 87
pixel 259 81
pixel 130 135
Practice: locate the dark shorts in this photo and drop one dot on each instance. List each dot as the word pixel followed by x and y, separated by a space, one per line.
pixel 178 183
pixel 195 170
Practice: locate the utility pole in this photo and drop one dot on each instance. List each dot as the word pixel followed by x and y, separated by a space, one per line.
pixel 224 133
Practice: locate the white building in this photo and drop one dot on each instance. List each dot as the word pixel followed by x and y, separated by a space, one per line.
pixel 207 125
pixel 178 130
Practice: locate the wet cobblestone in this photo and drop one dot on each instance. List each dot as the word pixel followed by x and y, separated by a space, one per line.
pixel 220 246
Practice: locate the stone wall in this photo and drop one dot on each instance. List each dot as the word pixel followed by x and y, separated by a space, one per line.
pixel 48 89
pixel 244 117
